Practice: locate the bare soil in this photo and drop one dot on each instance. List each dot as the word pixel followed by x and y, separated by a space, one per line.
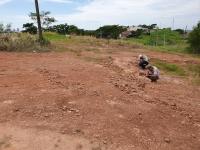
pixel 95 101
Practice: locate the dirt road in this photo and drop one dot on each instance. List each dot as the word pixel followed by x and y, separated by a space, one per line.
pixel 52 101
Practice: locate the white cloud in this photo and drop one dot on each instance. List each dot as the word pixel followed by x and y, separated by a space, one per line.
pixel 59 1
pixel 19 20
pixel 94 13
pixel 2 2
pixel 100 12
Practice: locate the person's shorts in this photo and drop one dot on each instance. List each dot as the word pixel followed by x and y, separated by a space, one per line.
pixel 153 78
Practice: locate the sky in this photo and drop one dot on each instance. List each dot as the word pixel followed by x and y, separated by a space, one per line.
pixel 91 14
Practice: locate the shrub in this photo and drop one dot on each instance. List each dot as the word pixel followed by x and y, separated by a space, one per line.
pixel 194 39
pixel 180 31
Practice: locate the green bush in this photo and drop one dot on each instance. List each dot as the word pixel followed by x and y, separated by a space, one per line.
pixel 194 39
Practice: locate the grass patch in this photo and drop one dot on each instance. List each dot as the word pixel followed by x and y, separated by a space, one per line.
pixel 178 47
pixel 194 71
pixel 190 71
pixel 55 37
pixel 93 59
pixel 68 49
pixel 196 81
pixel 169 68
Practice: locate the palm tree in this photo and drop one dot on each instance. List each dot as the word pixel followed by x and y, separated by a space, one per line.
pixel 38 20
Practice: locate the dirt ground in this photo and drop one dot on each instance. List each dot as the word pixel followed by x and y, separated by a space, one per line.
pixel 52 101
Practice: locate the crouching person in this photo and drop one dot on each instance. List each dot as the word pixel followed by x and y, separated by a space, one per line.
pixel 143 61
pixel 153 73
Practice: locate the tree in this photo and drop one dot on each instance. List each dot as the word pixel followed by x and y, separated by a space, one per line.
pixel 89 32
pixel 61 28
pixel 109 31
pixel 137 33
pixel 1 28
pixel 180 31
pixel 81 32
pixel 150 27
pixel 8 28
pixel 30 28
pixel 66 29
pixel 72 29
pixel 153 26
pixel 46 20
pixel 194 39
pixel 5 28
pixel 38 21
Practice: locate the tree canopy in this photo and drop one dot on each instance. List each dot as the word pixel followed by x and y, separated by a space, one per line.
pixel 109 31
pixel 194 39
pixel 30 28
pixel 5 28
pixel 46 20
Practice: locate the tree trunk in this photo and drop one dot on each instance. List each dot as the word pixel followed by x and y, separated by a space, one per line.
pixel 38 20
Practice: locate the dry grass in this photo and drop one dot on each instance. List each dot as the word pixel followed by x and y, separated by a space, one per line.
pixel 20 42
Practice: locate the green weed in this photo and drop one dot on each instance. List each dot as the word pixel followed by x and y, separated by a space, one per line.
pixel 169 68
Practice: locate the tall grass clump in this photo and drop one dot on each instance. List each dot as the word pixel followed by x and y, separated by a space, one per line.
pixel 194 70
pixel 21 42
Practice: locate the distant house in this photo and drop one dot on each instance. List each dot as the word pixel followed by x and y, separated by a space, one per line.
pixel 125 34
pixel 131 30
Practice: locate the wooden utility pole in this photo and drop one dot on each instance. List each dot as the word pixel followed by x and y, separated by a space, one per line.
pixel 38 20
pixel 185 32
pixel 164 40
